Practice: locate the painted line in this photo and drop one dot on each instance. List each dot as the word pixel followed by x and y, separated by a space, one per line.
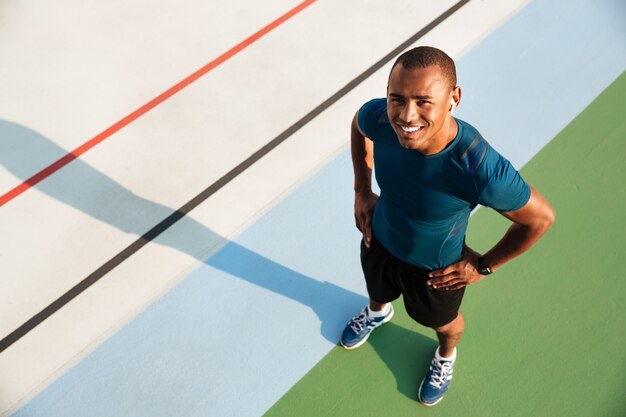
pixel 54 167
pixel 213 188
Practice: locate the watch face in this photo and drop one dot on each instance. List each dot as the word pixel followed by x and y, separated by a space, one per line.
pixel 482 268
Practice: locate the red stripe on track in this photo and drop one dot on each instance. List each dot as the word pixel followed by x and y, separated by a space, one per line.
pixel 51 169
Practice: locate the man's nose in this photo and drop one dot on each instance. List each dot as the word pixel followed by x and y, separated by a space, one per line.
pixel 409 113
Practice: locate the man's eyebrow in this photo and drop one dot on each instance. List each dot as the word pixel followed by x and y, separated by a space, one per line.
pixel 417 97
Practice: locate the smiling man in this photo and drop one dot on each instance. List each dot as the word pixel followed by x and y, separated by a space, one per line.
pixel 432 170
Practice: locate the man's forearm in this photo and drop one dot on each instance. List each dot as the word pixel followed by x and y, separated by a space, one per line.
pixel 517 240
pixel 529 223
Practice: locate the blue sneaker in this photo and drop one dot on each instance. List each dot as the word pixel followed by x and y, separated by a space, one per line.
pixel 359 328
pixel 436 382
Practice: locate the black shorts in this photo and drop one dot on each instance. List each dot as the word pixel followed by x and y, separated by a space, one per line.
pixel 387 278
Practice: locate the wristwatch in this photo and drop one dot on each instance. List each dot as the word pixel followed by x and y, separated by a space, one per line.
pixel 482 268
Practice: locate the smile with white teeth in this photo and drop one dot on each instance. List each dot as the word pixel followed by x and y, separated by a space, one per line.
pixel 410 129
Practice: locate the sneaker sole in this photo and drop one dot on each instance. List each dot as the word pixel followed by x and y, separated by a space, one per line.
pixel 356 345
pixel 419 397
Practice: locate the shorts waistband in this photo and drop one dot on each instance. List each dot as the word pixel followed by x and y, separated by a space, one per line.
pixel 376 242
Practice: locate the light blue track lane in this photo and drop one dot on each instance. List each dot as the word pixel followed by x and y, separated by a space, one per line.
pixel 239 331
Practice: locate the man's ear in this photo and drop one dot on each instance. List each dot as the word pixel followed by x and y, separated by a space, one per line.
pixel 455 99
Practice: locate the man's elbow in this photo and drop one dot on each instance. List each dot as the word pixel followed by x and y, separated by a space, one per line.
pixel 544 213
pixel 547 219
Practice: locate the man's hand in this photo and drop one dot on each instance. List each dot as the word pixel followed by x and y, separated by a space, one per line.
pixel 459 274
pixel 364 203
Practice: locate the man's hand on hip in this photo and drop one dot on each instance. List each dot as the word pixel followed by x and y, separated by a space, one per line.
pixel 459 274
pixel 364 203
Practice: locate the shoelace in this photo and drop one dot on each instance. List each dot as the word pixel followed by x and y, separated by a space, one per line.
pixel 442 372
pixel 358 323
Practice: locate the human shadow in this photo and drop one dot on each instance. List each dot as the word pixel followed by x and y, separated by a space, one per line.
pixel 406 353
pixel 23 152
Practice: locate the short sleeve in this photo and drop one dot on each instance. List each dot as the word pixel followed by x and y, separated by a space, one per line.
pixel 373 117
pixel 504 189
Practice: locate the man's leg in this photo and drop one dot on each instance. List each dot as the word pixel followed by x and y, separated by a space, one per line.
pixel 449 335
pixel 375 261
pixel 376 306
pixel 437 381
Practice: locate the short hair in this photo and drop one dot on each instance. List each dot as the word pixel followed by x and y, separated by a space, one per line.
pixel 426 56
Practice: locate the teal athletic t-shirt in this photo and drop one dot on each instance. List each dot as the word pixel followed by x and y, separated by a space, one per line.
pixel 426 200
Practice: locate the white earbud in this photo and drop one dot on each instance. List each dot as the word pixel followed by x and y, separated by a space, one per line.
pixel 453 106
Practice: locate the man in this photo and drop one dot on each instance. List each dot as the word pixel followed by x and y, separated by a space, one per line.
pixel 432 170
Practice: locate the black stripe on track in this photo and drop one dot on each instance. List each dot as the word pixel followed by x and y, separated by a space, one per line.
pixel 213 188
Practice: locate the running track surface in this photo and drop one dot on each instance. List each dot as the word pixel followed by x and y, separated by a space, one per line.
pixel 174 359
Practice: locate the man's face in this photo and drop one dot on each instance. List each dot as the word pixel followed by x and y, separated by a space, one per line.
pixel 418 107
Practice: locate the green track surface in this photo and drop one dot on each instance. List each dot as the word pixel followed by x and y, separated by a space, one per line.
pixel 544 336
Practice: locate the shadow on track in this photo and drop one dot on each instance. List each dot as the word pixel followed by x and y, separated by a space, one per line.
pixel 24 152
pixel 406 353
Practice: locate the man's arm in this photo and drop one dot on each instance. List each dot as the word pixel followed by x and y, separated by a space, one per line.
pixel 362 150
pixel 529 223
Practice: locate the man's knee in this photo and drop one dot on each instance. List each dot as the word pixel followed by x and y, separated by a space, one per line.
pixel 455 327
